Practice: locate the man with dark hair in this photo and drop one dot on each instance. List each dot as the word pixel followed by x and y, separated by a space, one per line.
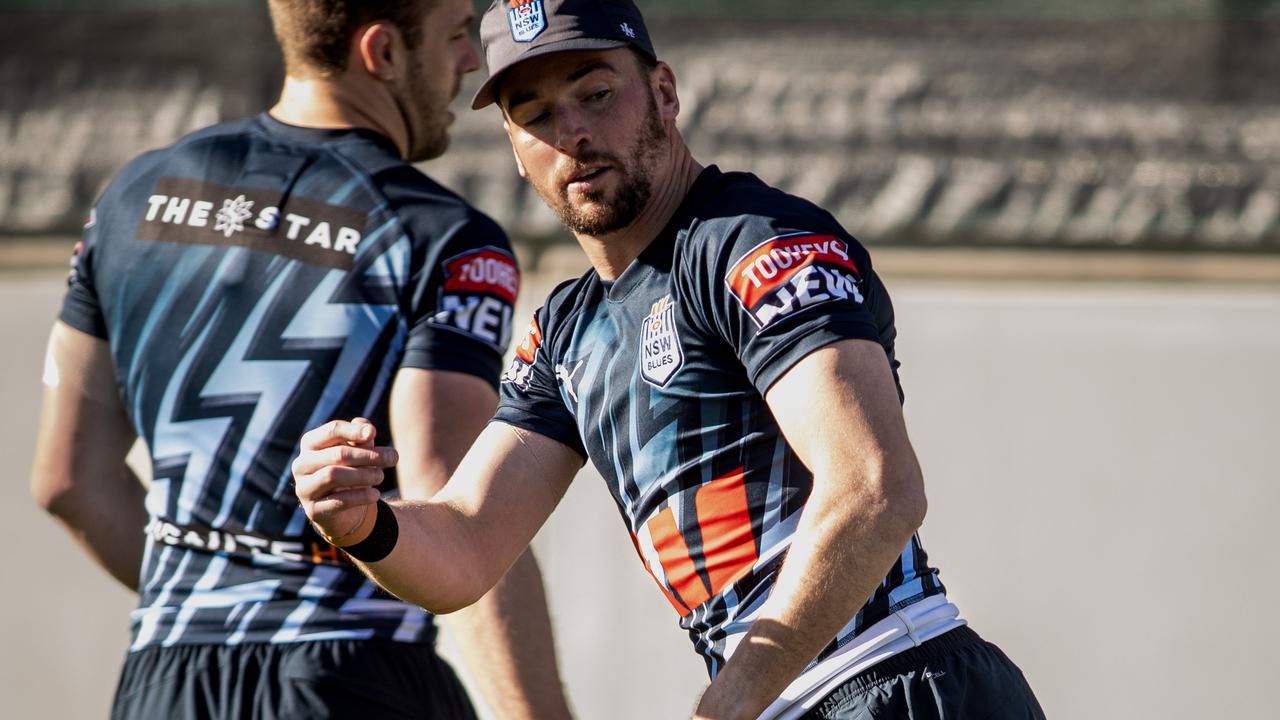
pixel 252 280
pixel 728 367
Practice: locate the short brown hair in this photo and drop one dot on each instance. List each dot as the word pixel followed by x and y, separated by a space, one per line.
pixel 316 35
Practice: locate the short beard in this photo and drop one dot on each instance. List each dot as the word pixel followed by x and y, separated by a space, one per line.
pixel 426 120
pixel 632 195
pixel 436 143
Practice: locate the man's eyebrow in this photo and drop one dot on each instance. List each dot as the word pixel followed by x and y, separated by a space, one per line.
pixel 580 72
pixel 589 67
pixel 519 99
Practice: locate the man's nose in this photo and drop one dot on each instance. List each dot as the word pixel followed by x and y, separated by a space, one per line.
pixel 470 61
pixel 572 130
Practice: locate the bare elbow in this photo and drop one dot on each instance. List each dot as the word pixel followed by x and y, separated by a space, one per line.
pixel 446 605
pixel 53 496
pixel 914 509
pixel 898 495
pixel 448 608
pixel 909 504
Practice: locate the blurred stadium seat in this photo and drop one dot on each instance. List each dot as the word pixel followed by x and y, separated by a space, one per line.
pixel 992 126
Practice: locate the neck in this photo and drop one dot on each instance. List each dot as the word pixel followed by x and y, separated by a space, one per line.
pixel 611 254
pixel 340 103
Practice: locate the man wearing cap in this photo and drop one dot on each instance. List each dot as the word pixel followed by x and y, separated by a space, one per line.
pixel 728 367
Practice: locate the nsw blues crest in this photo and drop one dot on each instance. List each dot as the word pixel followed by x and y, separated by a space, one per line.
pixel 660 353
pixel 526 19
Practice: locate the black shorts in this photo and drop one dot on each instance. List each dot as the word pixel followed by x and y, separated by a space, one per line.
pixel 956 675
pixel 329 679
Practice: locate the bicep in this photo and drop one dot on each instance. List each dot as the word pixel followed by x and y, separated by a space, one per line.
pixel 435 416
pixel 838 407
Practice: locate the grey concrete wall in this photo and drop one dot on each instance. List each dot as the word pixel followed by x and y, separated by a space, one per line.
pixel 1102 470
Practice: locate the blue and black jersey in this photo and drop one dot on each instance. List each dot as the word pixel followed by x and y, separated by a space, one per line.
pixel 659 379
pixel 256 280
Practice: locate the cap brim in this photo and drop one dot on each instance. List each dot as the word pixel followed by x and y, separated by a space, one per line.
pixel 486 94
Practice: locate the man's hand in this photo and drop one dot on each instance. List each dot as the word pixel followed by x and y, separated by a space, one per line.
pixel 336 475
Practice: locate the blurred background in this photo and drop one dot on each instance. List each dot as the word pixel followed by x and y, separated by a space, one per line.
pixel 1075 204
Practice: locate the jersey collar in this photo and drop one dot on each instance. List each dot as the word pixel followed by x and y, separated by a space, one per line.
pixel 657 255
pixel 297 133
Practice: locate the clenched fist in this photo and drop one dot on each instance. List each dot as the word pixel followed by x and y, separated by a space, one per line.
pixel 336 475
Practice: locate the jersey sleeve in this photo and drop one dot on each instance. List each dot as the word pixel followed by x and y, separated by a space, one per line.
pixel 778 290
pixel 461 314
pixel 80 307
pixel 530 394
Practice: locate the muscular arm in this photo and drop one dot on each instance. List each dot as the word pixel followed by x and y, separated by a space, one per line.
pixel 839 410
pixel 505 637
pixel 455 547
pixel 79 474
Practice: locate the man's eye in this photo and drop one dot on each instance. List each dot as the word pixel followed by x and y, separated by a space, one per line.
pixel 601 94
pixel 537 119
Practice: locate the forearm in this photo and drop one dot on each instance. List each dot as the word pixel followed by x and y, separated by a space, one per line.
pixel 108 521
pixel 451 549
pixel 438 563
pixel 836 561
pixel 506 643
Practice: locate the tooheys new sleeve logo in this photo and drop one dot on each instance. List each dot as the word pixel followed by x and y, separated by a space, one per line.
pixel 488 271
pixel 791 272
pixel 479 290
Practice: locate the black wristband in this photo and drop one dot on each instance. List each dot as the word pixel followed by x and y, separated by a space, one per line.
pixel 381 540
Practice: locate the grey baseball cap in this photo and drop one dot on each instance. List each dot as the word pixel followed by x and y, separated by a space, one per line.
pixel 513 31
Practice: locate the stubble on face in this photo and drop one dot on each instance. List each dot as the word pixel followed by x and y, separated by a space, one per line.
pixel 595 214
pixel 426 114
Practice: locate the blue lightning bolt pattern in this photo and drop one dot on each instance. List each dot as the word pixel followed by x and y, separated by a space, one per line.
pixel 195 440
pixel 272 382
pixel 176 281
pixel 361 324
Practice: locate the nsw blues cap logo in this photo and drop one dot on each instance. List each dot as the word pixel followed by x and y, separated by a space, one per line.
pixel 513 31
pixel 526 19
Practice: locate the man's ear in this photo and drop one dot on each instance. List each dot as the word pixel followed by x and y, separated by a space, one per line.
pixel 663 82
pixel 506 125
pixel 376 49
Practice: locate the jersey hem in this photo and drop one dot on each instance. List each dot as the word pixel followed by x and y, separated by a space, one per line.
pixel 900 631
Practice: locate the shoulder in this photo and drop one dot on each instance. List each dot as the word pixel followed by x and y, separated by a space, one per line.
pixel 563 305
pixel 230 130
pixel 743 212
pixel 189 153
pixel 206 146
pixel 763 248
pixel 537 346
pixel 428 209
pixel 130 185
pixel 566 301
pixel 568 297
pixel 747 233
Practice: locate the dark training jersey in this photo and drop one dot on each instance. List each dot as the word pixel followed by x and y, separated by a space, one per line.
pixel 256 280
pixel 658 378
